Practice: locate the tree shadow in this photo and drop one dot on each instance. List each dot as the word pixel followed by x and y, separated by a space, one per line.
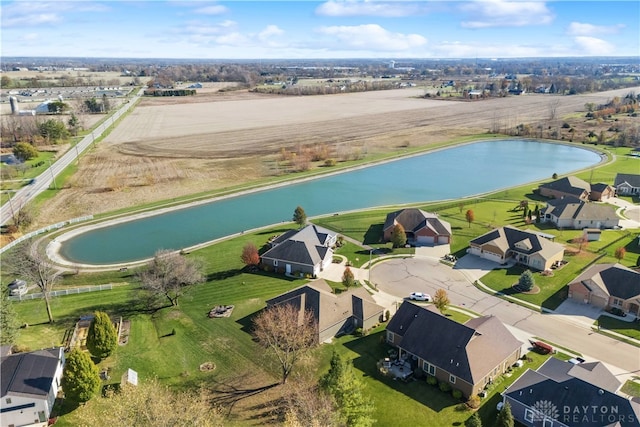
pixel 226 394
pixel 371 349
pixel 553 301
pixel 373 234
pixel 226 274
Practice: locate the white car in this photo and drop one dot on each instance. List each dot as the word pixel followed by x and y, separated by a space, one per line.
pixel 419 296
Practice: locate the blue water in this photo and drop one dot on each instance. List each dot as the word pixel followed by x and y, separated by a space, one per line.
pixel 451 173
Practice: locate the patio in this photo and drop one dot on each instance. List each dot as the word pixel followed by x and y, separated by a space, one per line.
pixel 398 368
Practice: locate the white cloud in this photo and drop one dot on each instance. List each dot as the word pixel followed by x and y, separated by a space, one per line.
pixel 370 8
pixel 212 10
pixel 270 31
pixel 594 46
pixel 584 29
pixel 27 14
pixel 501 13
pixel 371 37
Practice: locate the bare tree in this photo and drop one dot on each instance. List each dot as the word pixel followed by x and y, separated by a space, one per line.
pixel 308 406
pixel 287 332
pixel 169 274
pixel 553 109
pixel 151 403
pixel 33 266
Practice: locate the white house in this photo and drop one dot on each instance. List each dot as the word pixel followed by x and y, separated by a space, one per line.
pixel 30 384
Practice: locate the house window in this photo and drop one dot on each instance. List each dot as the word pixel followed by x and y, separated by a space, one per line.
pixel 42 417
pixel 275 262
pixel 429 368
pixel 389 336
pixel 617 302
pixel 528 415
pixel 452 379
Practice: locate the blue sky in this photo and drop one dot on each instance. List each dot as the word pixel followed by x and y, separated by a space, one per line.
pixel 324 29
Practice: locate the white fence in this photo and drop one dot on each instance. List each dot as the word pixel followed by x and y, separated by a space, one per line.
pixel 44 230
pixel 62 292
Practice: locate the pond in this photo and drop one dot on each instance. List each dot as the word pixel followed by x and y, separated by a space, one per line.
pixel 450 173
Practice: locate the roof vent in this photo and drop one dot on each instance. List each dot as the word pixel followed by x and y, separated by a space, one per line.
pixel 601 392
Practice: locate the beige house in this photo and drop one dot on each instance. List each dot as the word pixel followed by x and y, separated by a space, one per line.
pixel 524 247
pixel 468 357
pixel 334 314
pixel 421 228
pixel 571 213
pixel 607 286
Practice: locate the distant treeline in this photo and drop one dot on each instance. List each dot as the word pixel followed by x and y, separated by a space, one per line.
pixel 170 92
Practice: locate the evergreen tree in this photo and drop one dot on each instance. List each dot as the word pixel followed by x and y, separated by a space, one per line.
pixel 102 337
pixel 398 236
pixel 9 323
pixel 526 283
pixel 505 417
pixel 473 421
pixel 80 379
pixel 346 388
pixel 299 216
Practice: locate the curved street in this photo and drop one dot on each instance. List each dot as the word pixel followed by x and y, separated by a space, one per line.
pixel 397 277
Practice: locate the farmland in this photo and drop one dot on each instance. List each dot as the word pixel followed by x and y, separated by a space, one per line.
pixel 171 147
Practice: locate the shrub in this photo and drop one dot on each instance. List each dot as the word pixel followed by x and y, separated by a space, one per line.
pixel 457 394
pixel 474 402
pixel 431 380
pixel 444 386
pixel 387 314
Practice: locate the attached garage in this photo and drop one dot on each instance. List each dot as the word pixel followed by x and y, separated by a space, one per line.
pixel 425 240
pixel 491 256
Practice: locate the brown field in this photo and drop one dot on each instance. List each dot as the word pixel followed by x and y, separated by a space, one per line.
pixel 168 147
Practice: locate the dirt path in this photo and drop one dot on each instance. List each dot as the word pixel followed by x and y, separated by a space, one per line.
pixel 171 147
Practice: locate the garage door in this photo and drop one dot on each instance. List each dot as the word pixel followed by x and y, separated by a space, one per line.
pixel 425 240
pixel 492 257
pixel 598 301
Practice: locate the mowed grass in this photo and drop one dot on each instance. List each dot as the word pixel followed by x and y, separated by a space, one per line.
pixel 629 329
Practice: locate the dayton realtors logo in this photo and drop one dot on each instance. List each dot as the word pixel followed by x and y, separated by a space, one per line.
pixel 582 415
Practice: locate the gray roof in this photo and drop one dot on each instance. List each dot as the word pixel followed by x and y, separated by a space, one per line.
pixel 413 219
pixel 521 241
pixel 632 179
pixel 572 208
pixel 328 308
pixel 29 374
pixel 614 280
pixel 593 372
pixel 307 246
pixel 570 185
pixel 574 393
pixel 470 351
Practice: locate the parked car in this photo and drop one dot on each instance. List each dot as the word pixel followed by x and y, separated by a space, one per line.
pixel 18 287
pixel 419 296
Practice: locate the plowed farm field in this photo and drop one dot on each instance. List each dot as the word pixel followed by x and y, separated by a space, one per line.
pixel 169 147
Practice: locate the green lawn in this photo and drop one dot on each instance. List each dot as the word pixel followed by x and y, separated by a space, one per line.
pixel 629 329
pixel 632 388
pixel 414 403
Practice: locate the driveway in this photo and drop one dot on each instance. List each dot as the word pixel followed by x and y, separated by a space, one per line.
pixel 397 277
pixel 626 210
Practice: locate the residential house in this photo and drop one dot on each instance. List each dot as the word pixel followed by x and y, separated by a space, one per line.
pixel 334 314
pixel 601 192
pixel 420 227
pixel 627 184
pixel 30 384
pixel 576 214
pixel 607 286
pixel 301 252
pixel 468 357
pixel 525 247
pixel 563 394
pixel 570 186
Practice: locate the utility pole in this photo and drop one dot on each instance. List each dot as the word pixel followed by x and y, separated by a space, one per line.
pixel 53 177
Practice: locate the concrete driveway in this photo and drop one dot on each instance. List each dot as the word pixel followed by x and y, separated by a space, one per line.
pixel 398 277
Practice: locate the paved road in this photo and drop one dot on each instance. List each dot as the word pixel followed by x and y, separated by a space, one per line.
pixel 46 178
pixel 401 276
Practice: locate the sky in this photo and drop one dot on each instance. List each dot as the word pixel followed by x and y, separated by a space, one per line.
pixel 319 29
